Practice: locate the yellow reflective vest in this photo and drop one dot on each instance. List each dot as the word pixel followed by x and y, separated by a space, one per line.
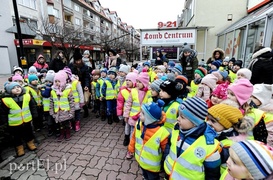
pixel 171 116
pixel 94 84
pixel 136 106
pixel 100 81
pixel 125 94
pixel 232 76
pixel 35 94
pixel 110 91
pixel 46 104
pixel 75 92
pixel 62 102
pixel 17 115
pixel 117 86
pixel 257 115
pixel 149 155
pixel 224 175
pixel 189 165
pixel 268 117
pixel 194 89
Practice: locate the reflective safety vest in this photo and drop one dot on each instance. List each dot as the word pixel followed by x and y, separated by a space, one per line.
pixel 117 86
pixel 257 115
pixel 194 89
pixel 100 81
pixel 268 117
pixel 152 75
pixel 94 84
pixel 171 116
pixel 110 91
pixel 18 116
pixel 149 155
pixel 46 104
pixel 136 106
pixel 61 103
pixel 35 94
pixel 125 94
pixel 224 175
pixel 232 76
pixel 75 92
pixel 189 165
pixel 226 143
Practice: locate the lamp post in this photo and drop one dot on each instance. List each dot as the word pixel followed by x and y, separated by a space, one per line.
pixel 132 44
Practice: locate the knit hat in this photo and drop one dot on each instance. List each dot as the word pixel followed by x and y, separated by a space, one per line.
pixel 143 77
pixel 223 73
pixel 103 70
pixel 226 59
pixel 152 112
pixel 50 76
pixel 32 77
pixel 60 76
pixel 256 156
pixel 201 71
pixel 194 109
pixel 226 115
pixel 16 68
pixel 181 79
pixel 171 64
pixel 239 63
pixel 216 63
pixel 17 77
pixel 220 91
pixel 112 70
pixel 124 68
pixel 132 77
pixel 77 55
pixel 246 72
pixel 43 71
pixel 95 72
pixel 162 68
pixel 156 85
pixel 68 72
pixel 32 69
pixel 263 92
pixel 170 87
pixel 186 48
pixel 232 60
pixel 178 69
pixel 10 86
pixel 146 64
pixel 210 80
pixel 242 89
pixel 86 52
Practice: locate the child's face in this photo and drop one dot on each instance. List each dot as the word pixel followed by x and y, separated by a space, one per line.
pixel 197 76
pixel 17 90
pixel 184 123
pixel 111 76
pixel 154 93
pixel 217 55
pixel 57 83
pixel 20 82
pixel 103 74
pixel 47 82
pixel 213 67
pixel 215 124
pixel 215 100
pixel 225 63
pixel 34 82
pixel 122 74
pixel 230 64
pixel 240 76
pixel 96 77
pixel 146 67
pixel 129 83
pixel 236 68
pixel 139 85
pixel 236 168
pixel 18 72
pixel 231 96
pixel 164 94
pixel 141 117
pixel 256 101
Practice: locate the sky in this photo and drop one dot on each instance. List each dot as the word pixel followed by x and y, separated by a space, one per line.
pixel 145 14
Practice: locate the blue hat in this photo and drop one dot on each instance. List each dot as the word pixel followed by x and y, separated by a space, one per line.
pixel 171 64
pixel 216 63
pixel 32 77
pixel 146 64
pixel 178 69
pixel 152 112
pixel 224 73
pixel 112 70
pixel 10 86
pixel 103 70
pixel 195 110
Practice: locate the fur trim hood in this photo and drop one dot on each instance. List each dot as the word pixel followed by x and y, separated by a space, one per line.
pixel 230 103
pixel 260 52
pixel 221 51
pixel 267 107
pixel 245 125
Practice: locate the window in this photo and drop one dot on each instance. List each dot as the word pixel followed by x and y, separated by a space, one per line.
pixel 106 24
pixel 67 3
pixel 77 8
pixel 97 19
pixel 77 21
pixel 56 13
pixel 28 3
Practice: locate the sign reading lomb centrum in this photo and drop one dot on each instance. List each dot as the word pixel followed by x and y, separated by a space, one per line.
pixel 168 37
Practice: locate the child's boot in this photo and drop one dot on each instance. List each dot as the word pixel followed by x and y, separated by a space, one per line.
pixel 110 119
pixel 77 125
pixel 126 140
pixel 20 150
pixel 31 146
pixel 102 116
pixel 67 134
pixel 61 137
pixel 129 155
pixel 50 130
pixel 115 118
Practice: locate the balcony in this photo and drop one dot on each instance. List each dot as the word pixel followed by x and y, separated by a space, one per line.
pixel 68 11
pixel 88 30
pixel 87 18
pixel 69 24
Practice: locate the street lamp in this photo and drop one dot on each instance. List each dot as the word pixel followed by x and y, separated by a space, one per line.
pixel 132 44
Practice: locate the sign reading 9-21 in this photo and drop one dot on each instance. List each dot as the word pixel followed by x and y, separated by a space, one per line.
pixel 169 24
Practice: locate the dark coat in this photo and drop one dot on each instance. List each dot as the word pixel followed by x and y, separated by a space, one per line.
pixel 56 64
pixel 82 72
pixel 189 64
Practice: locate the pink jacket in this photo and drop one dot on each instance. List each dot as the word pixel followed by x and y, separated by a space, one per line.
pixel 203 92
pixel 121 101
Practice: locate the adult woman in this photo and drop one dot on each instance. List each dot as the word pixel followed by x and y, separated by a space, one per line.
pixel 113 59
pixel 40 63
pixel 58 62
pixel 159 58
pixel 88 60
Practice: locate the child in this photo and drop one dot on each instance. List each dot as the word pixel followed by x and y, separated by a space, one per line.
pixel 249 160
pixel 161 70
pixel 62 107
pixel 95 98
pixel 138 96
pixel 244 73
pixel 206 87
pixel 123 71
pixel 31 70
pixel 18 78
pixel 199 73
pixel 34 89
pixel 149 139
pixel 183 91
pixel 214 66
pixel 218 95
pixel 240 92
pixel 192 151
pixel 222 76
pixel 101 80
pixel 121 100
pixel 18 108
pixel 177 70
pixel 108 91
pixel 262 99
pixel 155 89
pixel 17 71
pixel 169 93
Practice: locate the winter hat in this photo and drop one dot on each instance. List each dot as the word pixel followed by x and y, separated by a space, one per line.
pixel 156 85
pixel 170 87
pixel 226 115
pixel 182 79
pixel 186 48
pixel 239 63
pixel 178 69
pixel 77 55
pixel 124 68
pixel 68 72
pixel 43 71
pixel 226 59
pixel 232 60
pixel 171 64
pixel 246 72
pixel 113 70
pixel 60 76
pixel 132 77
pixel 32 77
pixel 170 76
pixel 16 68
pixel 194 109
pixel 162 68
pixel 95 72
pixel 220 91
pixel 201 71
pixel 210 80
pixel 223 73
pixel 256 156
pixel 32 69
pixel 17 77
pixel 103 70
pixel 146 64
pixel 10 86
pixel 242 89
pixel 86 52
pixel 143 77
pixel 263 92
pixel 50 76
pixel 216 63
pixel 152 112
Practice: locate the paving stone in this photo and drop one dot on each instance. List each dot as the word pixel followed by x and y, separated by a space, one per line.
pixel 125 166
pixel 87 177
pixel 103 175
pixel 93 172
pixel 18 173
pixel 72 158
pixel 75 150
pixel 112 175
pixel 41 172
pixel 26 174
pixel 93 162
pixel 82 163
pixel 93 150
pixel 125 176
pixel 101 163
pixel 87 149
pixel 68 172
pixel 37 177
pixel 4 173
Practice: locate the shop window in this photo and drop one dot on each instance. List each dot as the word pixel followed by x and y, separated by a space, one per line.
pixel 228 44
pixel 238 43
pixel 221 41
pixel 47 55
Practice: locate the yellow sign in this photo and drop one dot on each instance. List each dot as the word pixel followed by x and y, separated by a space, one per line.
pixel 23 62
pixel 38 42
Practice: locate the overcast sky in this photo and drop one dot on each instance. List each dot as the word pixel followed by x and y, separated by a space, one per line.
pixel 144 14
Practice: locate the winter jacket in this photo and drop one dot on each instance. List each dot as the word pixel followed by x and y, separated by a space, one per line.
pixel 82 72
pixel 222 54
pixel 61 115
pixel 56 65
pixel 121 100
pixel 261 67
pixel 40 66
pixel 203 92
pixel 104 86
pixel 81 96
pixel 149 132
pixel 189 65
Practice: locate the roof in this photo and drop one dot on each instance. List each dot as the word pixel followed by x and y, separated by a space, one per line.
pixel 24 29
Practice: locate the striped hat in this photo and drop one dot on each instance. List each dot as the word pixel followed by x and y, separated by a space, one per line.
pixel 177 69
pixel 194 109
pixel 256 156
pixel 156 85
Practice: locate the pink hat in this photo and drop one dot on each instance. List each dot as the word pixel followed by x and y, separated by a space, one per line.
pixel 61 76
pixel 68 72
pixel 143 77
pixel 17 77
pixel 132 77
pixel 242 89
pixel 221 91
pixel 210 80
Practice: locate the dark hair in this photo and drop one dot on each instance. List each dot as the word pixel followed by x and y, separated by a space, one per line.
pixel 258 48
pixel 56 55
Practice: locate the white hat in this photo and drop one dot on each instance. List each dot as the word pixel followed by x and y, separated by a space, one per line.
pixel 50 76
pixel 124 68
pixel 263 92
pixel 246 72
pixel 86 52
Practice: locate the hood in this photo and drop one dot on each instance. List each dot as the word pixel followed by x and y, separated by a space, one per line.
pixel 246 124
pixel 163 119
pixel 267 107
pixel 261 52
pixel 230 103
pixel 221 51
pixel 40 56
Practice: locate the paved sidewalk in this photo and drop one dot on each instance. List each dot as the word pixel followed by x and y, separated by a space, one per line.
pixel 3 79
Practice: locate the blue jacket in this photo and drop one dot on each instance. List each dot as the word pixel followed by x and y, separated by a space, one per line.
pixel 103 89
pixel 46 91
